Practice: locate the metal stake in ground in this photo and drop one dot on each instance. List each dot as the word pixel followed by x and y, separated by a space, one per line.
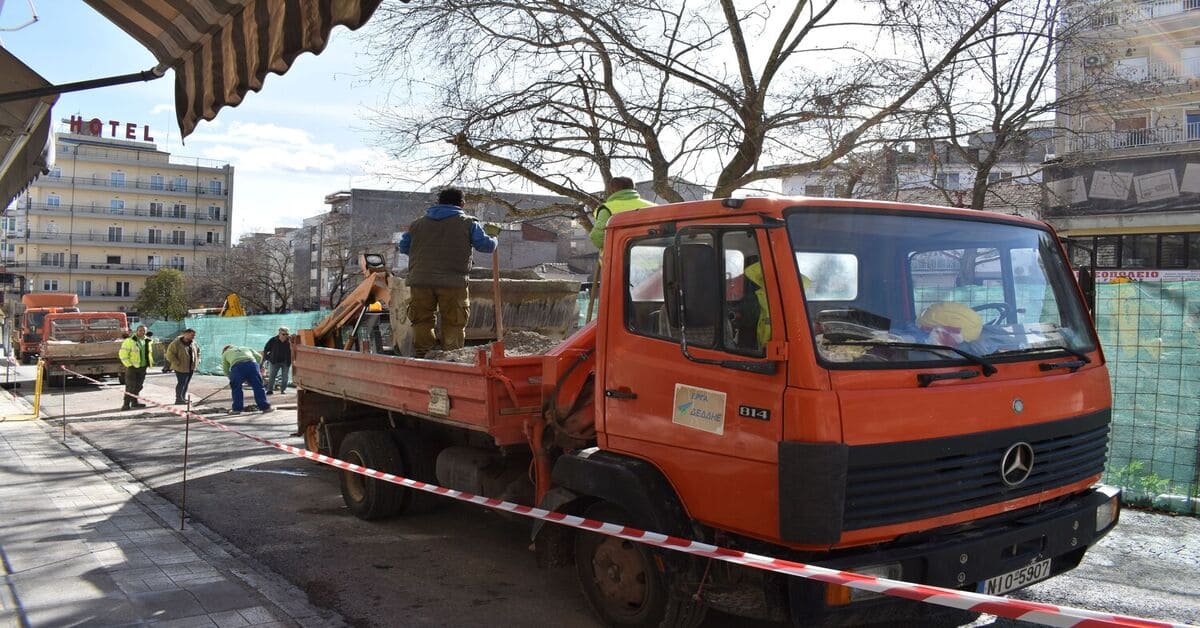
pixel 209 395
pixel 187 426
pixel 64 402
pixel 498 305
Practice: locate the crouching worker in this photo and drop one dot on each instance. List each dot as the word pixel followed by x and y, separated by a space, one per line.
pixel 241 366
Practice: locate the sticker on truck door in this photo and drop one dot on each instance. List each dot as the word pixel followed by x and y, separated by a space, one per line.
pixel 439 401
pixel 699 408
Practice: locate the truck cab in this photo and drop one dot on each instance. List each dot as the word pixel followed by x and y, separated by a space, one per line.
pixel 868 385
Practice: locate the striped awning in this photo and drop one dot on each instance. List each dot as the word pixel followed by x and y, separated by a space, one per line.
pixel 24 129
pixel 221 49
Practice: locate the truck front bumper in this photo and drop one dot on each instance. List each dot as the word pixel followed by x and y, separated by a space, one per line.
pixel 960 559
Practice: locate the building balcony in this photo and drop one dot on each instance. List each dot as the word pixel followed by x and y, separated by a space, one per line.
pixel 67 151
pixel 1182 138
pixel 103 239
pixel 1100 17
pixel 135 185
pixel 129 213
pixel 87 268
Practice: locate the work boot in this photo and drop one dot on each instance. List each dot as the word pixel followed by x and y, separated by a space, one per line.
pixel 138 404
pixel 235 411
pixel 125 406
pixel 267 409
pixel 181 402
pixel 270 392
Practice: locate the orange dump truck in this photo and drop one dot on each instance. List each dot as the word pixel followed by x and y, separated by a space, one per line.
pixel 37 306
pixel 88 343
pixel 906 391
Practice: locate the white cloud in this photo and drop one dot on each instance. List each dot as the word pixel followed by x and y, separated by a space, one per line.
pixel 163 108
pixel 271 148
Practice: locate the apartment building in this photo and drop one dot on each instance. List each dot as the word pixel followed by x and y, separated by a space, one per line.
pixel 111 212
pixel 1126 188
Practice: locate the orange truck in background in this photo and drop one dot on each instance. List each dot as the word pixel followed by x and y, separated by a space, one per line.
pixel 898 390
pixel 88 343
pixel 37 306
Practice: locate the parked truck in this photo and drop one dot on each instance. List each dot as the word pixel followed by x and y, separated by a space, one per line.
pixel 899 390
pixel 88 343
pixel 37 306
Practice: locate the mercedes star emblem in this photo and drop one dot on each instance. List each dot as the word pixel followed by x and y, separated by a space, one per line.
pixel 1017 464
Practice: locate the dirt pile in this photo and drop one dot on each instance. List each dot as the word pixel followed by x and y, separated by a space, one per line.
pixel 515 343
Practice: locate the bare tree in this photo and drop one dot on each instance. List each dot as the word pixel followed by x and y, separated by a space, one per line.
pixel 259 269
pixel 998 102
pixel 564 93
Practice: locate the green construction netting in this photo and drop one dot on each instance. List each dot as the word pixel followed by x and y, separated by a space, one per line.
pixel 214 332
pixel 1150 332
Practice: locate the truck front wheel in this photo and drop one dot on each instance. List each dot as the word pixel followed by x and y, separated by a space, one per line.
pixel 622 582
pixel 369 498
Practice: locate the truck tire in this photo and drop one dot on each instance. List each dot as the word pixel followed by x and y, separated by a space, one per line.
pixel 369 498
pixel 419 457
pixel 621 582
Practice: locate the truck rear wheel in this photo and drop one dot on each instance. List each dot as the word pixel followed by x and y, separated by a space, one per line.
pixel 366 497
pixel 622 583
pixel 420 463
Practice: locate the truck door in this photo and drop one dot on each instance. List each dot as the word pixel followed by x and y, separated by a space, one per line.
pixel 709 418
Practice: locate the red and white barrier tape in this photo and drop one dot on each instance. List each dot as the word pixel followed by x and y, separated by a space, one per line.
pixel 1047 614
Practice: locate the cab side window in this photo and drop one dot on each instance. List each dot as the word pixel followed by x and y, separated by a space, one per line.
pixel 734 315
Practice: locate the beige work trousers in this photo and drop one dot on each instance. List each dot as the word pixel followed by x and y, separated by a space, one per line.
pixel 450 305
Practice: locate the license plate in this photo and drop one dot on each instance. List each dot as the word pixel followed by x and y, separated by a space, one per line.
pixel 1017 578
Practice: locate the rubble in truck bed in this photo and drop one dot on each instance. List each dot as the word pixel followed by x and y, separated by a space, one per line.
pixel 516 343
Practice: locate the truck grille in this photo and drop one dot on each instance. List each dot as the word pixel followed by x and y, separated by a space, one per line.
pixel 898 482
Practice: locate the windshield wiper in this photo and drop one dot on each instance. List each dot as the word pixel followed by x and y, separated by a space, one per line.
pixel 987 367
pixel 1075 352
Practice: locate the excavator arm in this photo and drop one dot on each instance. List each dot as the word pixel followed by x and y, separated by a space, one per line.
pixel 373 289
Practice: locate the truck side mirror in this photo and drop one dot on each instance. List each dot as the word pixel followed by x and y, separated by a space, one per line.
pixel 692 289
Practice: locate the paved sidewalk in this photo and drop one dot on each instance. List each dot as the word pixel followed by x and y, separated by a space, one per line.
pixel 82 542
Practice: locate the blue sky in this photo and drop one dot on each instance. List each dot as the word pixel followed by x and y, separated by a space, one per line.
pixel 304 136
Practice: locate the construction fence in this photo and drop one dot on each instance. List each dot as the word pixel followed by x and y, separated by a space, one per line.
pixel 1150 332
pixel 214 332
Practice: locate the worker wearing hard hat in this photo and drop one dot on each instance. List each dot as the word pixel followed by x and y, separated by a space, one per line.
pixel 438 246
pixel 622 197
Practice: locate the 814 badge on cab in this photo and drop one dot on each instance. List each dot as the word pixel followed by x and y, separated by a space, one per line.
pixel 751 412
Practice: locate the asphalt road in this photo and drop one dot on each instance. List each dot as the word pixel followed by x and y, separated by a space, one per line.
pixel 465 565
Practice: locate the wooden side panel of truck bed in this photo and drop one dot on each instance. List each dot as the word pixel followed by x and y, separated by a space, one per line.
pixel 495 395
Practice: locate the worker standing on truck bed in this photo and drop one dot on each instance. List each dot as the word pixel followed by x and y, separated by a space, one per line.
pixel 241 366
pixel 622 197
pixel 438 246
pixel 135 356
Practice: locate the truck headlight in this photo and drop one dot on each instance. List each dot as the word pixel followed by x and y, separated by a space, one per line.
pixel 1106 513
pixel 838 595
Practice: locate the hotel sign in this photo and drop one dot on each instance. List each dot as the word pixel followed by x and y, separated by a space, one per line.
pixel 120 130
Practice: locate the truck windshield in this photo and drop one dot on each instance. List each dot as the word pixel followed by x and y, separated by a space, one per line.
pixel 878 282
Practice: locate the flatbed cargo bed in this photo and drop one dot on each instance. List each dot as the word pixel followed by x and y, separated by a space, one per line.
pixel 496 395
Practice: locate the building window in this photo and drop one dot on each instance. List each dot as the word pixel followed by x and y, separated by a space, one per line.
pixel 156 182
pixel 212 237
pixel 214 187
pixel 154 236
pixel 53 200
pixel 114 234
pixel 996 177
pixel 1193 125
pixel 1131 131
pixel 1172 251
pixel 212 264
pixel 52 259
pixel 946 180
pixel 116 206
pixel 83 288
pixel 1138 251
pixel 113 259
pixel 117 179
pixel 814 190
pixel 180 184
pixel 9 223
pixel 179 210
pixel 1133 68
pixel 56 173
pixel 156 209
pixel 49 285
pixel 74 260
pixel 154 261
pixel 178 236
pixel 177 262
pixel 214 212
pixel 122 288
